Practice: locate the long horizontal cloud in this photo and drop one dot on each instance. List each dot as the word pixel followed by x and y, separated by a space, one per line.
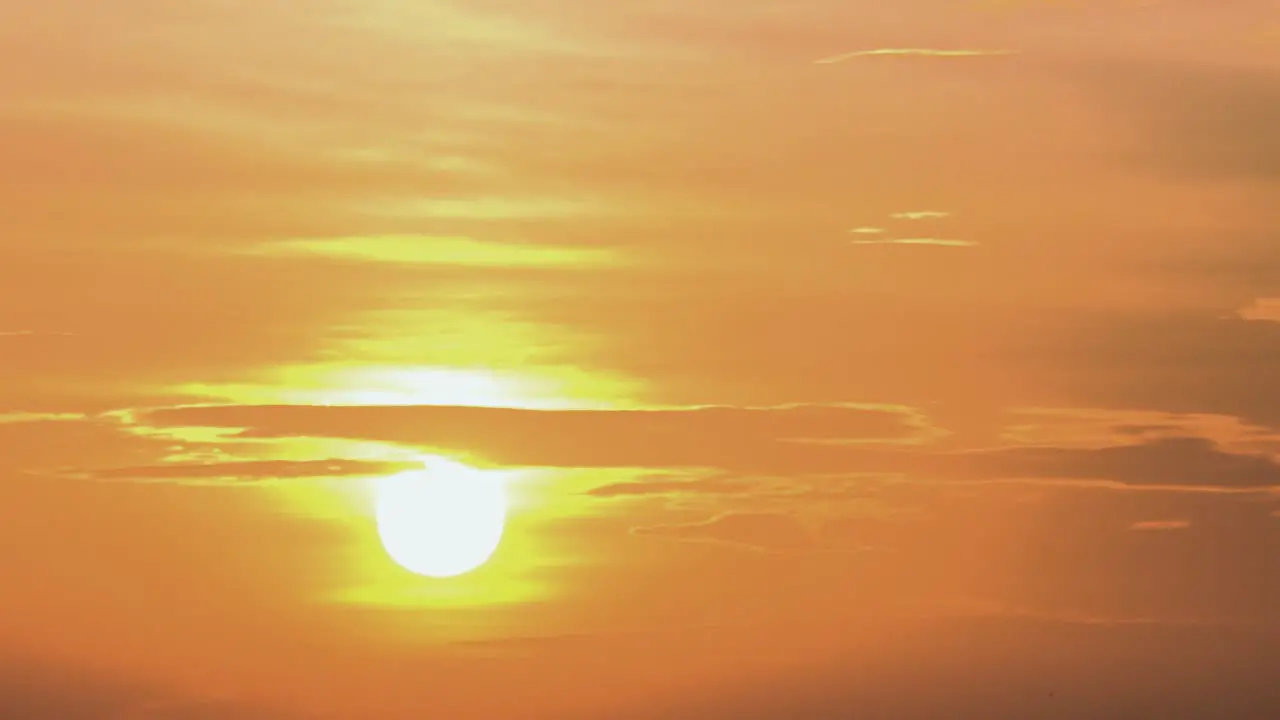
pixel 769 532
pixel 940 242
pixel 711 436
pixel 1161 462
pixel 254 470
pixel 1207 363
pixel 911 52
pixel 439 250
pixel 788 440
pixel 1187 461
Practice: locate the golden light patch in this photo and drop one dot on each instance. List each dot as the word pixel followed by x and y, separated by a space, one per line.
pixel 553 388
pixel 432 250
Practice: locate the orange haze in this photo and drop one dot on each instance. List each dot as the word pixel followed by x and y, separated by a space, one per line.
pixel 840 359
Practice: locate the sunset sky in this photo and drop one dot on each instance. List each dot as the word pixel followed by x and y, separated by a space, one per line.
pixel 837 359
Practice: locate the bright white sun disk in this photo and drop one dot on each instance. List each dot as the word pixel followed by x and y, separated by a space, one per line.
pixel 443 521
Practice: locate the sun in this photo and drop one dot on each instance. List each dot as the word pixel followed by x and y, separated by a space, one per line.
pixel 443 521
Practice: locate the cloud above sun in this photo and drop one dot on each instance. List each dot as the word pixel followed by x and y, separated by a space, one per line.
pixel 800 440
pixel 426 250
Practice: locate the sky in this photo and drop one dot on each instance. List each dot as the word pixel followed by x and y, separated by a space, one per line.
pixel 837 358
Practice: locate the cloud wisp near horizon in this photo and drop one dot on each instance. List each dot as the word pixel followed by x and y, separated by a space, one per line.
pixel 831 359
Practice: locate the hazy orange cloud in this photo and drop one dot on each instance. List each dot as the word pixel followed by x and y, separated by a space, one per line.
pixel 1161 525
pixel 1262 309
pixel 796 440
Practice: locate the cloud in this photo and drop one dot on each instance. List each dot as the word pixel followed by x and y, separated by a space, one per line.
pixel 914 52
pixel 731 437
pixel 32 417
pixel 52 441
pixel 196 709
pixel 1093 428
pixel 426 250
pixel 939 242
pixel 211 180
pixel 254 470
pixel 30 333
pixel 920 215
pixel 142 321
pixel 765 532
pixel 1166 461
pixel 1265 309
pixel 1160 525
pixel 787 440
pixel 911 216
pixel 1177 362
pixel 189 142
pixel 723 484
pixel 482 208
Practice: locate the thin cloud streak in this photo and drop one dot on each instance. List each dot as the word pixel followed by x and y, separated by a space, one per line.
pixel 800 440
pixel 1161 525
pixel 941 242
pixel 918 52
pixel 428 250
pixel 252 470
pixel 920 215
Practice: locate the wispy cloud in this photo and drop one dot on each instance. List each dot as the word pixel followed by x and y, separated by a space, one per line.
pixel 867 230
pixel 921 52
pixel 1261 309
pixel 32 333
pixel 760 532
pixel 919 215
pixel 785 440
pixel 428 250
pixel 731 437
pixel 254 470
pixel 32 417
pixel 941 242
pixel 1160 525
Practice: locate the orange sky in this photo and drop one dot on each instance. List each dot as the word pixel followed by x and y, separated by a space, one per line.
pixel 842 359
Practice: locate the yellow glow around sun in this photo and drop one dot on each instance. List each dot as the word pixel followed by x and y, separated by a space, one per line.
pixel 540 388
pixel 443 521
pixel 472 353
